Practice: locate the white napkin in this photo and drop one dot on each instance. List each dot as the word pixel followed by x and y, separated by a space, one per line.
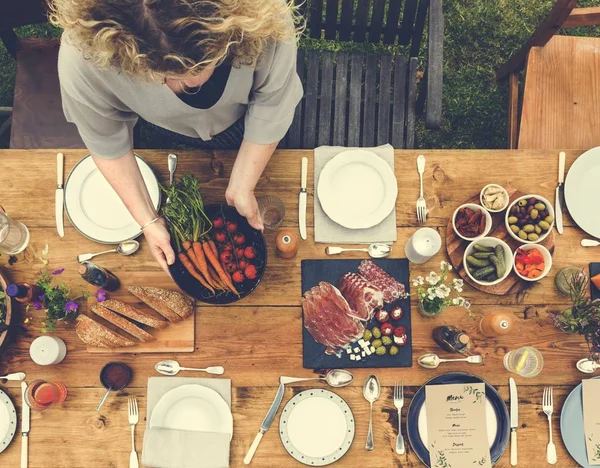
pixel 169 448
pixel 327 230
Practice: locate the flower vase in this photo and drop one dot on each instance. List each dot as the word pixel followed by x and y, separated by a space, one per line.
pixel 431 309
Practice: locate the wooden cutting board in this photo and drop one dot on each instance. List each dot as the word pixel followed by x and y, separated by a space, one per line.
pixel 176 338
pixel 456 250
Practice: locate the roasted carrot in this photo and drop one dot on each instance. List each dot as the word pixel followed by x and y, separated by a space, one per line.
pixel 218 268
pixel 201 261
pixel 216 280
pixel 189 266
pixel 188 247
pixel 213 247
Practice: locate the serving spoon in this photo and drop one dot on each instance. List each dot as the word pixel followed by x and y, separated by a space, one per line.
pixel 173 368
pixel 124 248
pixel 374 250
pixel 18 376
pixel 371 392
pixel 587 366
pixel 335 378
pixel 432 361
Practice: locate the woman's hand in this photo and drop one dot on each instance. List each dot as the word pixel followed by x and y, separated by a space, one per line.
pixel 159 240
pixel 247 206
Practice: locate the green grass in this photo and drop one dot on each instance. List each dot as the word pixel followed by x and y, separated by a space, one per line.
pixel 480 35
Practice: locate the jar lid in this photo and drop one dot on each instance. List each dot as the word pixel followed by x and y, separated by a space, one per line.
pixel 47 350
pixel 464 338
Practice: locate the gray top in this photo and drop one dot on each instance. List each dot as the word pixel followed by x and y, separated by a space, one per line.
pixel 105 104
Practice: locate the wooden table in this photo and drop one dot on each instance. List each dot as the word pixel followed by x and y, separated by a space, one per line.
pixel 259 338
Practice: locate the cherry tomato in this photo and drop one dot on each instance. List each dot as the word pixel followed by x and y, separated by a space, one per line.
pixel 387 329
pixel 250 253
pixel 239 238
pixel 238 276
pixel 243 264
pixel 218 223
pixel 226 257
pixel 220 236
pixel 240 253
pixel 251 272
pixel 232 226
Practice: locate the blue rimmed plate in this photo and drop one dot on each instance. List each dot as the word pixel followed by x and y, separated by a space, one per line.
pixel 498 421
pixel 316 427
pixel 8 421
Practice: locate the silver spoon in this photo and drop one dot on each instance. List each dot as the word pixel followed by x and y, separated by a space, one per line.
pixel 335 378
pixel 374 250
pixel 371 392
pixel 173 368
pixel 18 376
pixel 431 361
pixel 172 164
pixel 104 398
pixel 589 243
pixel 587 366
pixel 124 248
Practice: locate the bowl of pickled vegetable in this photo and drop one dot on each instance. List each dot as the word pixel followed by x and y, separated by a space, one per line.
pixel 530 219
pixel 488 261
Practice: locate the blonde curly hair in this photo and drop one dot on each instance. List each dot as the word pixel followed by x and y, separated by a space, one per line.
pixel 156 38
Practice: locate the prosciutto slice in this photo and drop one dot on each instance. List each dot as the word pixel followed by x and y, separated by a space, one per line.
pixel 329 318
pixel 392 289
pixel 363 297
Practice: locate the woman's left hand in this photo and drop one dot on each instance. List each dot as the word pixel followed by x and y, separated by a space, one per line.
pixel 247 206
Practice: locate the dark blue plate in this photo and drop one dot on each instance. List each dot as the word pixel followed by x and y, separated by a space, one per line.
pixel 493 397
pixel 254 238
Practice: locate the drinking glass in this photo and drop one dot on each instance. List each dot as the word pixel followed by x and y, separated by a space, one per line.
pixel 526 361
pixel 41 394
pixel 14 235
pixel 272 211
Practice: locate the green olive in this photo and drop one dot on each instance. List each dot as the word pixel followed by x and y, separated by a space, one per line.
pixel 544 225
pixel 539 206
pixel 522 235
pixel 376 332
pixel 522 203
pixel 513 220
pixel 377 343
pixel 533 237
pixel 514 228
pixel 538 230
pixel 529 228
pixel 549 219
pixel 533 214
pixel 386 340
pixel 394 350
pixel 367 335
pixel 381 351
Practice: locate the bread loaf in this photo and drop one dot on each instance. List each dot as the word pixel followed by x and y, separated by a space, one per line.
pixel 95 334
pixel 141 316
pixel 122 323
pixel 172 305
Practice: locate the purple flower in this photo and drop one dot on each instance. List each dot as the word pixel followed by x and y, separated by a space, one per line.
pixel 100 295
pixel 71 306
pixel 37 305
pixel 42 297
pixel 58 272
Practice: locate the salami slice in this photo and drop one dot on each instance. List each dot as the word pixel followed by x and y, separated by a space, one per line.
pixel 392 289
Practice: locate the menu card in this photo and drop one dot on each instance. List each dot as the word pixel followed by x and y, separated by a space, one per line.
pixel 591 419
pixel 456 426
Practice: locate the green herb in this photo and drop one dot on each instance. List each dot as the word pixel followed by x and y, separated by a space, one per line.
pixel 2 306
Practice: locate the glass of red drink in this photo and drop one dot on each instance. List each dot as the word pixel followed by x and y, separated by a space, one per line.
pixel 41 394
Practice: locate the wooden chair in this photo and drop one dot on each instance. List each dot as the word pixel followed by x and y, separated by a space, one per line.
pixel 37 117
pixel 561 93
pixel 366 99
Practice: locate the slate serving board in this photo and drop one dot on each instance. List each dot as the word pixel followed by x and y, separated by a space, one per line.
pixel 313 353
pixel 594 270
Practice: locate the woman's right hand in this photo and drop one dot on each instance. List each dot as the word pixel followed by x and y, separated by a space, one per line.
pixel 159 240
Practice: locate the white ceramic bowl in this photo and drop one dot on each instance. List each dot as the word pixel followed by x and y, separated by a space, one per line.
pixel 507 198
pixel 547 261
pixel 488 221
pixel 490 242
pixel 550 209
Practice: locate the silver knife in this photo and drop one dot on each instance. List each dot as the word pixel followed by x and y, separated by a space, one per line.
pixel 25 415
pixel 302 199
pixel 60 194
pixel 561 179
pixel 514 420
pixel 266 424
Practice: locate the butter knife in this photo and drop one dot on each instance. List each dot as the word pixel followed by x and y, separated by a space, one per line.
pixel 514 420
pixel 266 424
pixel 25 417
pixel 302 199
pixel 561 179
pixel 60 194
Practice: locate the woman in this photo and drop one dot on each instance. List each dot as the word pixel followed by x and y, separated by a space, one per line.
pixel 213 73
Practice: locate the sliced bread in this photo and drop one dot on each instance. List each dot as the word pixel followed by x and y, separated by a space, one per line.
pixel 170 304
pixel 122 323
pixel 139 315
pixel 93 333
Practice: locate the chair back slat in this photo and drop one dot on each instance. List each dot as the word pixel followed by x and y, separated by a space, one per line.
pixel 341 99
pixel 361 21
pixel 294 137
pixel 376 25
pixel 399 110
pixel 420 20
pixel 346 20
pixel 326 98
pixel 384 104
pixel 408 22
pixel 370 100
pixel 356 76
pixel 315 18
pixel 391 23
pixel 331 19
pixel 311 93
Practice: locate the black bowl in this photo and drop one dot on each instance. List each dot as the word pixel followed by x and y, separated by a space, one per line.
pixel 188 284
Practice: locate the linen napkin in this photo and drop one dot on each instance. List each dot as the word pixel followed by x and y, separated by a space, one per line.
pixel 591 419
pixel 169 448
pixel 327 230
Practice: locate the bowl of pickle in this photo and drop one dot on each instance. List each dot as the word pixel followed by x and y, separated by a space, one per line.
pixel 530 219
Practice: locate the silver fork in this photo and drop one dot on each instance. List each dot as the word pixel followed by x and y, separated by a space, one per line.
pixel 399 403
pixel 421 203
pixel 548 407
pixel 134 418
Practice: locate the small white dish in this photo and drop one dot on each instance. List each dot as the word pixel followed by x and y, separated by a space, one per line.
pixel 506 197
pixel 550 209
pixel 490 242
pixel 547 261
pixel 488 221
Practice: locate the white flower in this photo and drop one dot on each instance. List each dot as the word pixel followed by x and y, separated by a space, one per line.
pixel 419 281
pixel 445 266
pixel 456 301
pixel 442 291
pixel 466 304
pixel 433 278
pixel 458 284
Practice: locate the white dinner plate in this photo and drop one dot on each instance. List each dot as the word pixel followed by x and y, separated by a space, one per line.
pixel 96 210
pixel 582 190
pixel 193 408
pixel 316 427
pixel 8 421
pixel 357 189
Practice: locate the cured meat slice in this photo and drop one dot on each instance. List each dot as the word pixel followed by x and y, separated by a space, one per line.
pixel 329 319
pixel 392 289
pixel 363 297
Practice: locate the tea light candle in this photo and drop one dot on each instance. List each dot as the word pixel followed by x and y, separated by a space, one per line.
pixel 47 350
pixel 423 245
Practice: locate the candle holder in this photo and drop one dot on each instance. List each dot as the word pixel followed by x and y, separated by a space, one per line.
pixel 423 245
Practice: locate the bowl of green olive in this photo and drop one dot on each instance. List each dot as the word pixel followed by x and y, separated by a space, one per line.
pixel 530 219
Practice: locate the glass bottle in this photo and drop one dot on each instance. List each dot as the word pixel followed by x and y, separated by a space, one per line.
pixel 23 292
pixel 99 276
pixel 451 339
